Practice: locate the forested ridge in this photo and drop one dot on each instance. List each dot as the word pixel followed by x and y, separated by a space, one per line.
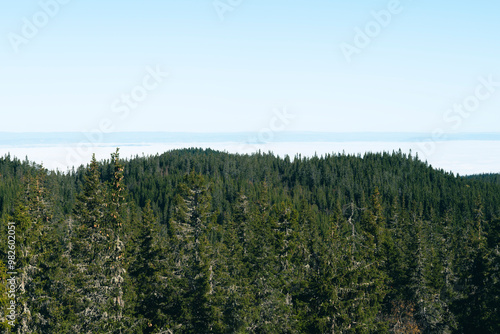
pixel 201 241
pixel 493 178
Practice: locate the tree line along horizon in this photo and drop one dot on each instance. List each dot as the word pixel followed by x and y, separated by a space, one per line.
pixel 202 241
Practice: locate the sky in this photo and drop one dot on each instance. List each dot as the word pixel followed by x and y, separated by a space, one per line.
pixel 229 65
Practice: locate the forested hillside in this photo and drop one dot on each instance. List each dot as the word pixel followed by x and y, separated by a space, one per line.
pixel 493 178
pixel 200 241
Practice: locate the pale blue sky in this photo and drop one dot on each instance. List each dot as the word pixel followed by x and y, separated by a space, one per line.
pixel 229 75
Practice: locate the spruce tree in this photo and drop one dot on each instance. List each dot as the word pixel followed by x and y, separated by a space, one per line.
pixel 188 226
pixel 157 303
pixel 98 253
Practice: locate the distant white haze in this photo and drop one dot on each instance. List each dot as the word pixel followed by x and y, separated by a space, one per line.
pixel 471 153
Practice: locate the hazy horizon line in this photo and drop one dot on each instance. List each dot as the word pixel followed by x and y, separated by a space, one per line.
pixel 261 137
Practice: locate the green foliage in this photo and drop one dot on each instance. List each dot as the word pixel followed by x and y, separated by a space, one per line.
pixel 199 241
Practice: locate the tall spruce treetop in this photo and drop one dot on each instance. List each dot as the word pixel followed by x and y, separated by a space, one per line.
pixel 90 204
pixel 117 192
pixel 99 252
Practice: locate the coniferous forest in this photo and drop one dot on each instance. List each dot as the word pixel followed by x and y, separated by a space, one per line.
pixel 200 241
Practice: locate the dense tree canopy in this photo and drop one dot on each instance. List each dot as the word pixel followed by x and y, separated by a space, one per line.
pixel 200 241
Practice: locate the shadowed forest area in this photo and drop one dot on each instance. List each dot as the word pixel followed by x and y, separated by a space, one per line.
pixel 201 241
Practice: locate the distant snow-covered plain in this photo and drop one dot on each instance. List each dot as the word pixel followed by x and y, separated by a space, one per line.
pixel 458 156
